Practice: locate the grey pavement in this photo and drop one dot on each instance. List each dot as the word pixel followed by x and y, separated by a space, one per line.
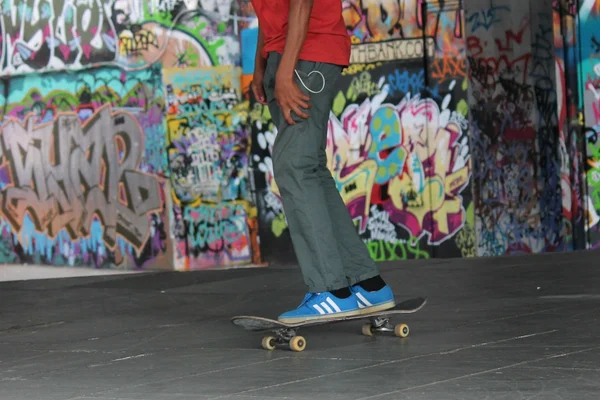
pixel 493 328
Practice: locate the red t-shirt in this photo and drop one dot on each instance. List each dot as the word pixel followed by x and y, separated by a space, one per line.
pixel 326 41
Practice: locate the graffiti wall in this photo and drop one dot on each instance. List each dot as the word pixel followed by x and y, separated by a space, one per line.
pixel 82 170
pixel 589 17
pixel 128 136
pixel 514 129
pixel 66 34
pixel 106 163
pixel 398 133
pixel 571 130
pixel 207 145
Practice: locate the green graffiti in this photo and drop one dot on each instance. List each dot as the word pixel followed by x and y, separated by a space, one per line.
pixel 278 226
pixel 462 108
pixel 594 152
pixel 593 176
pixel 470 217
pixel 339 103
pixel 196 27
pixel 362 85
pixel 189 58
pixel 382 250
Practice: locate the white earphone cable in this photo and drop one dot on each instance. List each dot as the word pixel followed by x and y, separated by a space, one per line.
pixel 311 72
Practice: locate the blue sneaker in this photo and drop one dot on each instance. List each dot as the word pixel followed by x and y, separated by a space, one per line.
pixel 381 300
pixel 324 305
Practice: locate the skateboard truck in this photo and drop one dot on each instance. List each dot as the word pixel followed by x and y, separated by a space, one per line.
pixel 382 324
pixel 288 336
pixel 284 336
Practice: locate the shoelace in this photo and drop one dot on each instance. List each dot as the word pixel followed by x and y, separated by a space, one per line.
pixel 307 297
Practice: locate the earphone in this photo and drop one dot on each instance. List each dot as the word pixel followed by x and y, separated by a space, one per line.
pixel 310 73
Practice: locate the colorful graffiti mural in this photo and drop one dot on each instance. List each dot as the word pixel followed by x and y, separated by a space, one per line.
pixel 513 102
pixel 113 127
pixel 38 35
pixel 589 75
pixel 207 147
pixel 81 177
pixel 64 34
pixel 452 133
pixel 397 141
pixel 570 109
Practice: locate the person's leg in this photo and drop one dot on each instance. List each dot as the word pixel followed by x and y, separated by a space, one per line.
pixel 299 163
pixel 360 269
pixel 358 264
pixel 296 166
pixel 296 169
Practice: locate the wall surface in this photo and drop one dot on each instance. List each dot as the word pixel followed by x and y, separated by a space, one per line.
pixel 589 72
pixel 570 122
pixel 64 34
pixel 123 140
pixel 82 170
pixel 208 154
pixel 514 128
pixel 129 138
pixel 398 134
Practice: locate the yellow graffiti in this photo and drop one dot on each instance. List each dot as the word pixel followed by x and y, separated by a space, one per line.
pixel 279 225
pixel 359 183
pixel 177 128
pixel 354 69
pixel 383 18
pixel 131 43
pixel 465 241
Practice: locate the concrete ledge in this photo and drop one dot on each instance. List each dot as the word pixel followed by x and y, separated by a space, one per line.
pixel 22 272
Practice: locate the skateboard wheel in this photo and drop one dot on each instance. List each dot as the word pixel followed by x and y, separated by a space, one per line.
pixel 367 330
pixel 298 343
pixel 268 343
pixel 401 330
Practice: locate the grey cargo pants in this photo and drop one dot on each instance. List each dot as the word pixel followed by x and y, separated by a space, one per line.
pixel 329 250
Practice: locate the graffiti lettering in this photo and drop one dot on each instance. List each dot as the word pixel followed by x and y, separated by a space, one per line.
pixel 401 49
pixel 380 227
pixel 448 66
pixel 219 230
pixel 37 35
pixel 405 82
pixel 486 18
pixel 353 69
pixel 65 174
pixel 134 42
pixel 406 159
pixel 381 250
pixel 362 85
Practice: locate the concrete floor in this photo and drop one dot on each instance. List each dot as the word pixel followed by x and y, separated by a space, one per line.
pixel 502 328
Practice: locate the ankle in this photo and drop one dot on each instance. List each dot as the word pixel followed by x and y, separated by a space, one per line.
pixel 372 284
pixel 342 293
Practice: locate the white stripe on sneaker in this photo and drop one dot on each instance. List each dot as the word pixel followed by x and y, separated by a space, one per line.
pixel 319 309
pixel 362 298
pixel 326 307
pixel 332 304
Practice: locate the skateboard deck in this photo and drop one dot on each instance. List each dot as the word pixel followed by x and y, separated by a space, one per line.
pixel 286 332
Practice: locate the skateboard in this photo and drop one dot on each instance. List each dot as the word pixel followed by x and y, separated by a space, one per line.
pixel 286 333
